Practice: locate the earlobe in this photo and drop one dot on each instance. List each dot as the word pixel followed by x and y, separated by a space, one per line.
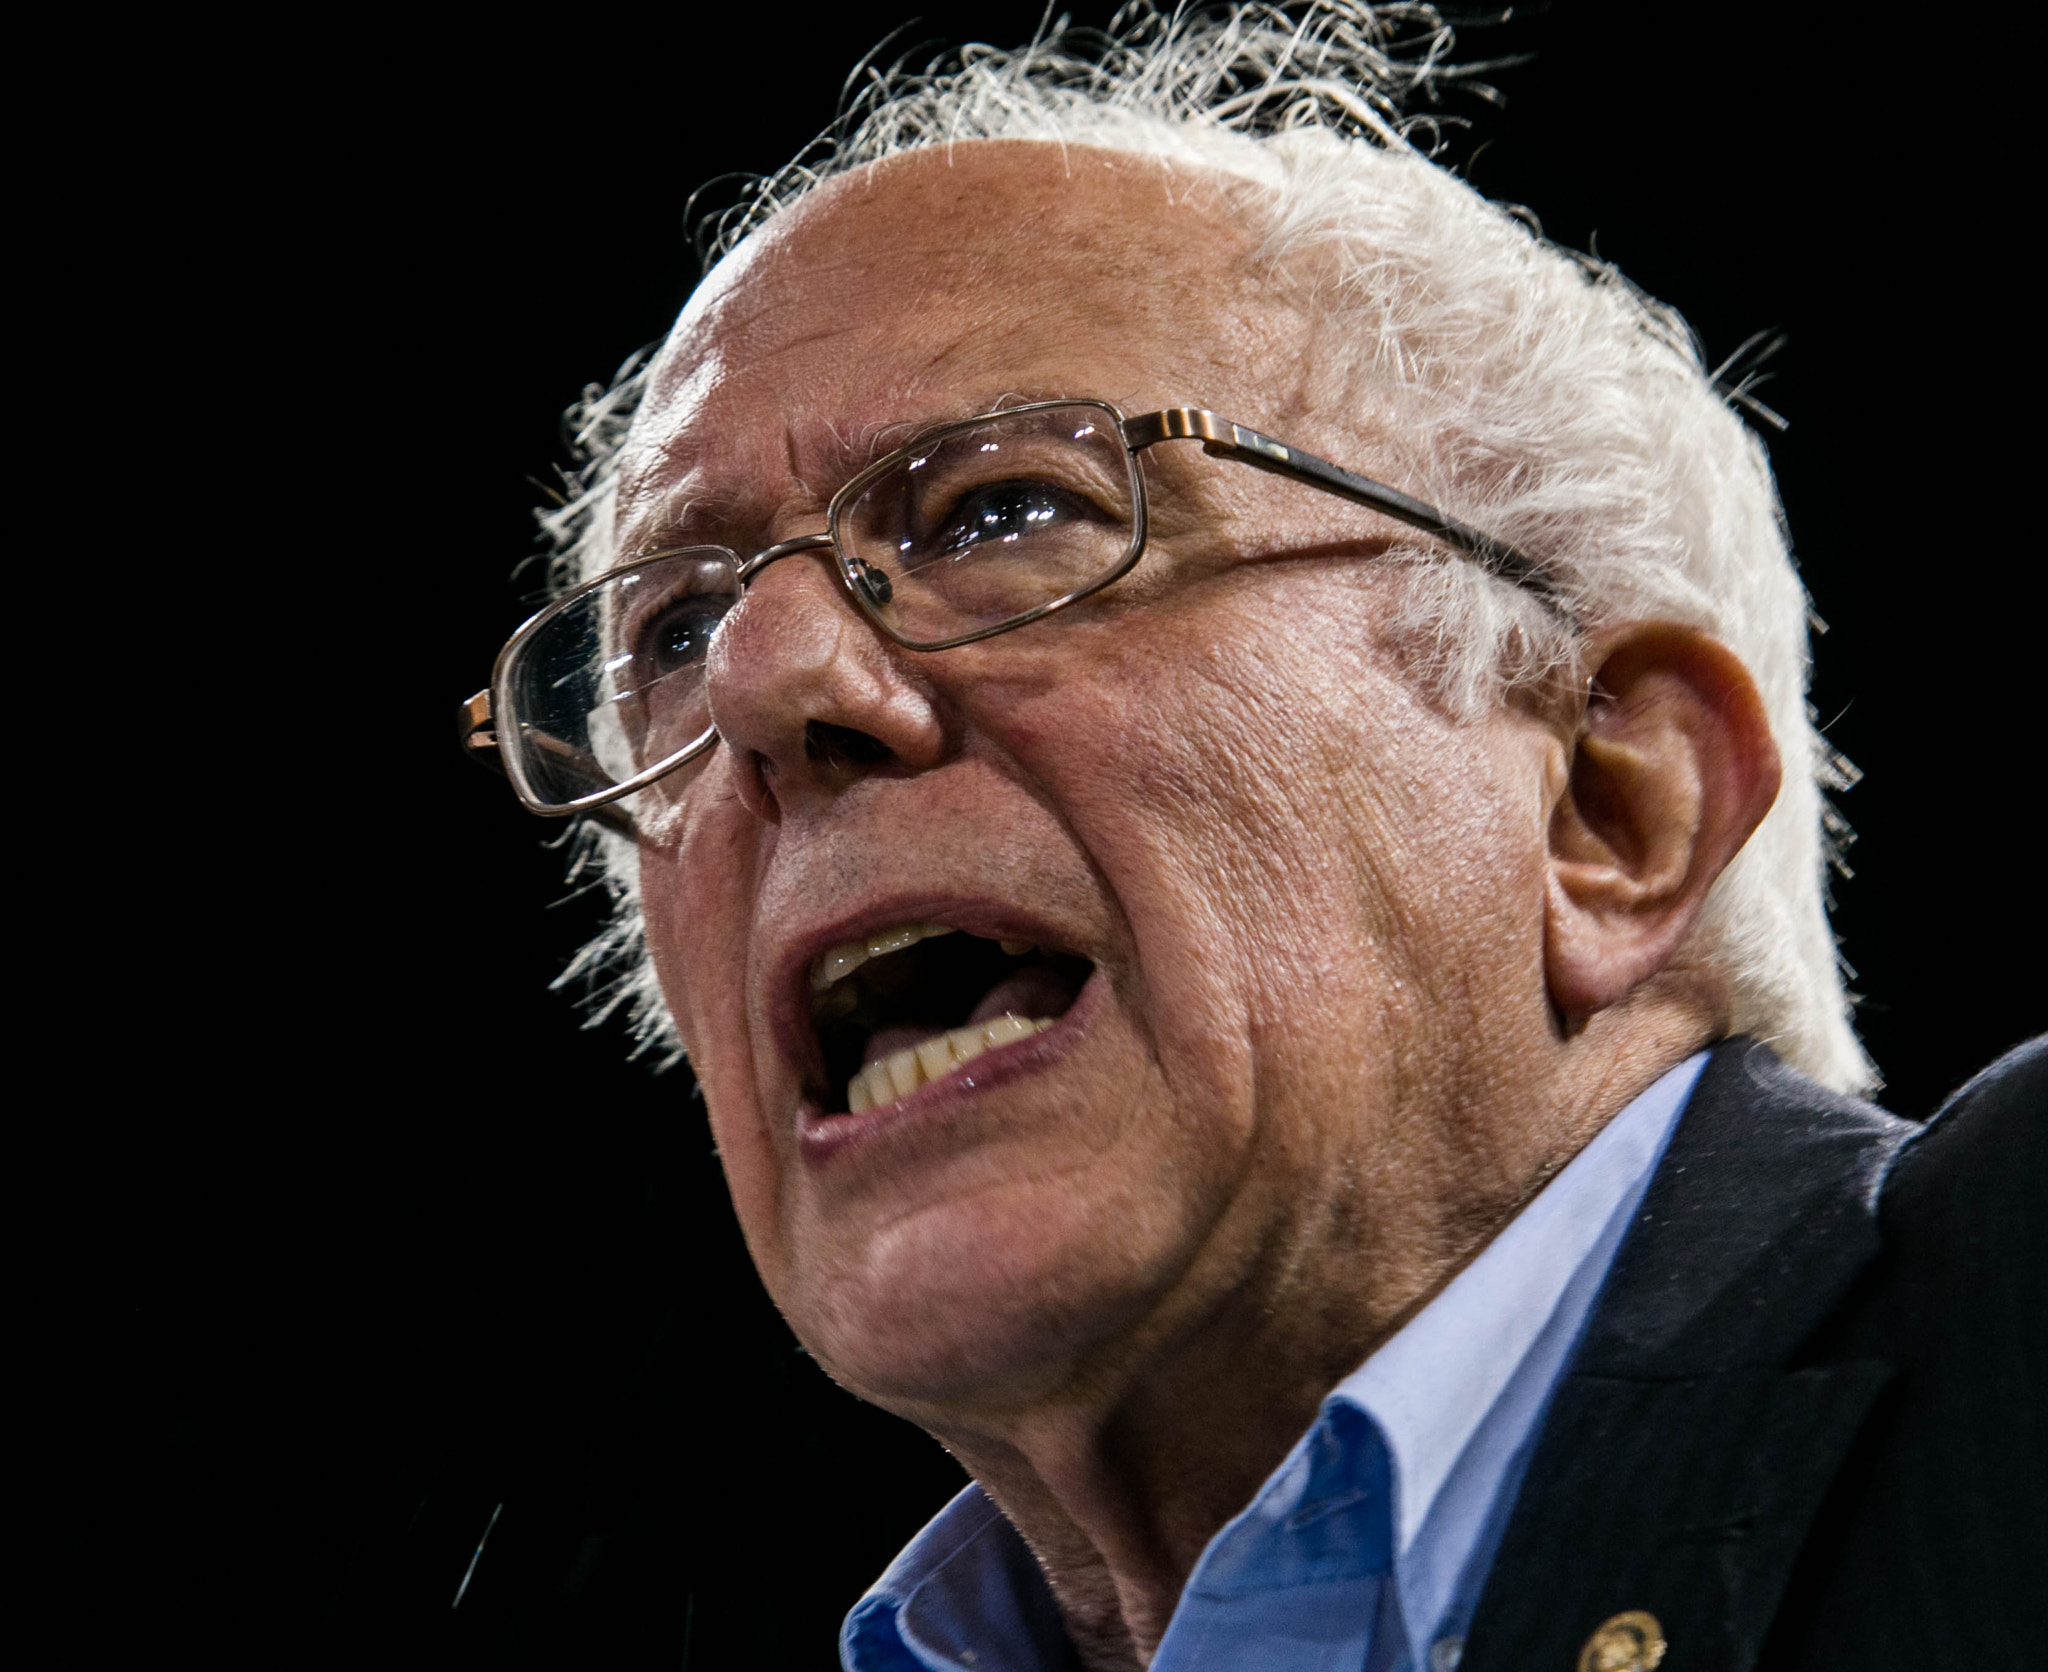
pixel 1671 768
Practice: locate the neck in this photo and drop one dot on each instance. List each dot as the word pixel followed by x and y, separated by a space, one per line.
pixel 1118 1493
pixel 1120 1480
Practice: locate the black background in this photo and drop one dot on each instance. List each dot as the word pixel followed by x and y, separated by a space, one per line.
pixel 340 1232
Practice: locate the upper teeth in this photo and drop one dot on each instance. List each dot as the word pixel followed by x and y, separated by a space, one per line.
pixel 841 961
pixel 836 963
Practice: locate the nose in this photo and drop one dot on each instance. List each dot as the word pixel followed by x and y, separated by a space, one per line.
pixel 809 697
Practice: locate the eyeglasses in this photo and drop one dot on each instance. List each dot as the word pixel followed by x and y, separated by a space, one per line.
pixel 972 529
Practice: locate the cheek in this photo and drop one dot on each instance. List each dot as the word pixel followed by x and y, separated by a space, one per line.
pixel 697 940
pixel 696 900
pixel 1243 748
pixel 1290 826
pixel 680 924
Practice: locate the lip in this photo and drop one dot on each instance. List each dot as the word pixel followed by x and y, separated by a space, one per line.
pixel 790 997
pixel 827 1139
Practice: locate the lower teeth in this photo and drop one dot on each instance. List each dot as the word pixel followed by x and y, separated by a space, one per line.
pixel 902 1072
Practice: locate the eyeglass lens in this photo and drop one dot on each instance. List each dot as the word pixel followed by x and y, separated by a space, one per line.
pixel 981 525
pixel 990 521
pixel 612 685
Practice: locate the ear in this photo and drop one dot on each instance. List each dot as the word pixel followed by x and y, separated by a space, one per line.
pixel 1671 769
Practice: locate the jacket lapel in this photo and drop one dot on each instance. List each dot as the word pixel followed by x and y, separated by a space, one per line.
pixel 1684 1453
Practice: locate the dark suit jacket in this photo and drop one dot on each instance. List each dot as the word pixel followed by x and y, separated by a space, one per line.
pixel 1805 1428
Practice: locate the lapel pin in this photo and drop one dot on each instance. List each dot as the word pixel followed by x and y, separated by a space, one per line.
pixel 1630 1642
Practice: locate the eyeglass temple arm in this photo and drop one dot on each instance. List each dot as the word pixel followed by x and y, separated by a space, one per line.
pixel 1220 438
pixel 475 736
pixel 478 739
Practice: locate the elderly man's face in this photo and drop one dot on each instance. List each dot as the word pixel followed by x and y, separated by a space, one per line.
pixel 1299 910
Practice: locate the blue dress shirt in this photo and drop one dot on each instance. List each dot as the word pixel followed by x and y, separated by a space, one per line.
pixel 1365 1551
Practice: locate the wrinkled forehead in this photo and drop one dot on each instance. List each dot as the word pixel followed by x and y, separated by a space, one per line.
pixel 932 285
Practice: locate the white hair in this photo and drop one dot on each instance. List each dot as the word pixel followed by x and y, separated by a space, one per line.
pixel 1533 393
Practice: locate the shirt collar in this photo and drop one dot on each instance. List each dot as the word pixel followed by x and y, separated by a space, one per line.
pixel 966 1593
pixel 1432 1384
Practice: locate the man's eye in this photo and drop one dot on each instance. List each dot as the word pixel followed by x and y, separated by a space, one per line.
pixel 679 636
pixel 1007 512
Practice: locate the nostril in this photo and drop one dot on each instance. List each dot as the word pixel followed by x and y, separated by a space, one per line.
pixel 842 746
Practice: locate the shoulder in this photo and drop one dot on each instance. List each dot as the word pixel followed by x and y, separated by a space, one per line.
pixel 1967 1187
pixel 1935 1533
pixel 1761 1218
pixel 1956 1297
pixel 1795 1422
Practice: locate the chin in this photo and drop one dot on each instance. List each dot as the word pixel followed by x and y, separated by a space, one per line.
pixel 977 1303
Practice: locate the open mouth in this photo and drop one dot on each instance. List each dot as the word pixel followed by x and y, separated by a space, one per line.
pixel 917 1002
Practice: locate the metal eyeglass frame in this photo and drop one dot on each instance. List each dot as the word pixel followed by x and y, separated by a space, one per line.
pixel 1220 438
